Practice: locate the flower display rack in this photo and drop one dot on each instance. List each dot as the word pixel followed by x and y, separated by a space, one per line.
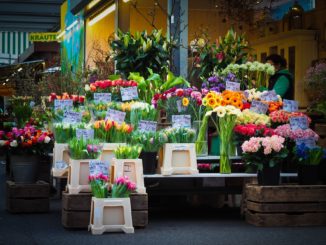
pixel 179 159
pixel 60 154
pixel 28 198
pixel 286 205
pixel 110 215
pixel 78 173
pixel 133 168
pixel 108 151
pixel 76 210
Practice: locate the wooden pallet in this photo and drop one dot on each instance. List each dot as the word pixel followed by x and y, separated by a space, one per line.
pixel 76 210
pixel 28 198
pixel 286 205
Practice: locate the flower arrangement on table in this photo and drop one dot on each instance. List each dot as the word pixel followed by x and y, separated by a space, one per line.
pixel 122 187
pixel 100 109
pixel 142 111
pixel 283 117
pixel 178 135
pixel 77 99
pixel 250 117
pixel 27 140
pixel 108 86
pixel 245 132
pixel 264 152
pixel 84 149
pixel 150 141
pixel 227 97
pixel 128 152
pixel 286 132
pixel 254 94
pixel 63 132
pixel 112 132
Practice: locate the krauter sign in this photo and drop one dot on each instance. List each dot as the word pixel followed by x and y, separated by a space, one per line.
pixel 43 37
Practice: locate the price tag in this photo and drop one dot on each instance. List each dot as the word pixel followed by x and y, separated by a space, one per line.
pixel 299 123
pixel 102 97
pixel 258 107
pixel 180 107
pixel 130 93
pixel 181 121
pixel 60 165
pixel 309 142
pixel 63 104
pixel 233 86
pixel 72 117
pixel 269 96
pixel 86 134
pixel 98 167
pixel 147 126
pixel 117 116
pixel 290 105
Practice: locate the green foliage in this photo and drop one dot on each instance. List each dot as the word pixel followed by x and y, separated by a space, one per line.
pixel 142 111
pixel 179 135
pixel 136 53
pixel 127 152
pixel 78 148
pixel 22 109
pixel 150 141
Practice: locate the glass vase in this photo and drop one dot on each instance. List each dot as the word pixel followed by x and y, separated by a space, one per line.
pixel 201 137
pixel 225 164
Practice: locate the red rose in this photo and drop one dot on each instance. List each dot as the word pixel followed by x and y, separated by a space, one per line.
pixel 81 99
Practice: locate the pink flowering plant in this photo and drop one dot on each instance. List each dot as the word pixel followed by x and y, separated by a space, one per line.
pixel 122 187
pixel 282 117
pixel 99 185
pixel 264 151
pixel 286 132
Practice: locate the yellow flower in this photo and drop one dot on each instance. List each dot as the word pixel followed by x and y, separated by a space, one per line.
pixel 185 101
pixel 204 102
pixel 212 102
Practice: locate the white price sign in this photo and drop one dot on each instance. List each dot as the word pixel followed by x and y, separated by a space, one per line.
pixel 102 97
pixel 299 123
pixel 181 121
pixel 233 86
pixel 72 117
pixel 86 134
pixel 63 104
pixel 258 107
pixel 290 105
pixel 147 126
pixel 269 96
pixel 98 167
pixel 117 116
pixel 130 93
pixel 309 142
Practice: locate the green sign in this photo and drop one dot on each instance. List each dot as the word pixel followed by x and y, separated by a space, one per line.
pixel 43 37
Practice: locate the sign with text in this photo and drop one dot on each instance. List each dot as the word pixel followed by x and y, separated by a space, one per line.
pixel 269 96
pixel 258 107
pixel 60 165
pixel 130 93
pixel 72 117
pixel 102 97
pixel 233 86
pixel 180 107
pixel 117 116
pixel 309 142
pixel 299 123
pixel 181 121
pixel 290 105
pixel 129 169
pixel 86 134
pixel 43 37
pixel 147 126
pixel 63 104
pixel 98 167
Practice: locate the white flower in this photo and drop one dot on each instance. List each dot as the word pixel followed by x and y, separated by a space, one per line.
pixel 236 112
pixel 208 114
pixel 220 110
pixel 2 142
pixel 87 88
pixel 13 143
pixel 47 139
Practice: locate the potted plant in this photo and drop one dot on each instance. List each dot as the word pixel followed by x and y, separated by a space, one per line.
pixel 111 213
pixel 267 153
pixel 309 159
pixel 151 142
pixel 142 111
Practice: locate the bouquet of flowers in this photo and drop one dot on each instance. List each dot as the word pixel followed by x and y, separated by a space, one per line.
pixel 63 132
pixel 84 149
pixel 122 187
pixel 142 111
pixel 286 132
pixel 245 132
pixel 250 117
pixel 127 152
pixel 77 99
pixel 214 83
pixel 227 97
pixel 150 141
pixel 309 156
pixel 264 151
pixel 108 86
pixel 283 117
pixel 110 131
pixel 99 185
pixel 178 135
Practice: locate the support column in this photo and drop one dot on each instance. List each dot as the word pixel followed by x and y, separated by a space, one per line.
pixel 178 31
pixel 122 16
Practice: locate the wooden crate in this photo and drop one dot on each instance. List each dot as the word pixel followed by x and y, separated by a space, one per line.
pixel 76 210
pixel 286 205
pixel 28 198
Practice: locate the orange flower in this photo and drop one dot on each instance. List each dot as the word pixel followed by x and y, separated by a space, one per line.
pixel 212 102
pixel 92 87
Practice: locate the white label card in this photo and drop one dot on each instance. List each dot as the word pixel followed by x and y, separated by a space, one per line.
pixel 102 97
pixel 97 167
pixel 258 107
pixel 147 126
pixel 233 86
pixel 290 105
pixel 60 165
pixel 309 142
pixel 72 117
pixel 181 121
pixel 117 116
pixel 180 107
pixel 86 134
pixel 130 93
pixel 63 104
pixel 269 96
pixel 299 123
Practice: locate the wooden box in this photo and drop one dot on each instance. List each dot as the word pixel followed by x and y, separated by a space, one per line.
pixel 286 205
pixel 28 198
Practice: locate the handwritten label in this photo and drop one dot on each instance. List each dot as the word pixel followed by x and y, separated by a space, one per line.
pixel 63 104
pixel 181 121
pixel 86 134
pixel 308 142
pixel 147 126
pixel 290 105
pixel 258 107
pixel 117 116
pixel 180 107
pixel 102 97
pixel 299 123
pixel 72 117
pixel 130 93
pixel 60 165
pixel 129 169
pixel 233 86
pixel 98 167
pixel 269 96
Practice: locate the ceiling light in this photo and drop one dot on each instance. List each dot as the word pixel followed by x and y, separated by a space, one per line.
pixel 102 15
pixel 7 80
pixel 20 69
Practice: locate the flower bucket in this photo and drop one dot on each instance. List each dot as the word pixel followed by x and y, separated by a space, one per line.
pixel 149 162
pixel 269 175
pixel 24 168
pixel 308 174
